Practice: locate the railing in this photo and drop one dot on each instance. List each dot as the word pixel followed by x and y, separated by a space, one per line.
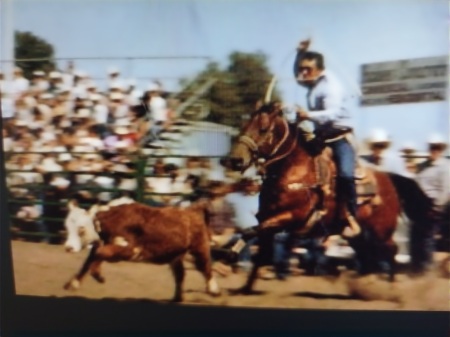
pixel 141 193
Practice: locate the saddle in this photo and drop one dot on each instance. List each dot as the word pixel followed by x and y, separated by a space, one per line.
pixel 366 184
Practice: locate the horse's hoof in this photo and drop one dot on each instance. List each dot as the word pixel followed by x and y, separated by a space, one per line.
pixel 72 285
pixel 99 278
pixel 177 299
pixel 215 293
pixel 241 291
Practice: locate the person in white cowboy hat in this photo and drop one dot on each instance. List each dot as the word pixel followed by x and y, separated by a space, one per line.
pixel 381 156
pixel 117 108
pixel 92 139
pixel 39 81
pixel 114 78
pixel 20 83
pixel 433 177
pixel 69 74
pixel 158 110
pixel 56 81
pixel 79 86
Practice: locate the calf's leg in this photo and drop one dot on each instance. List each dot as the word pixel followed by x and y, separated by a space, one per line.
pixel 178 273
pixel 97 255
pixel 204 265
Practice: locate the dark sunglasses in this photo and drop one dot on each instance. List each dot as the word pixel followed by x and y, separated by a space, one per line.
pixel 308 70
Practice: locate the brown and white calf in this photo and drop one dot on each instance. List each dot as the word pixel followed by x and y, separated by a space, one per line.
pixel 136 232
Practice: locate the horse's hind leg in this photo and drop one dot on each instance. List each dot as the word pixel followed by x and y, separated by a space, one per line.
pixel 178 273
pixel 391 251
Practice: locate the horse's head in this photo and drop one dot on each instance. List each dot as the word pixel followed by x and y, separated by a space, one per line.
pixel 262 137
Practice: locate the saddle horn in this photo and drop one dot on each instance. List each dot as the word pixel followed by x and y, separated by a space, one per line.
pixel 270 90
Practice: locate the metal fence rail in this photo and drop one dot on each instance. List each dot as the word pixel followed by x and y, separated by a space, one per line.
pixel 142 170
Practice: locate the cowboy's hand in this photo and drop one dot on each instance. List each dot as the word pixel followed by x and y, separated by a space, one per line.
pixel 304 45
pixel 301 113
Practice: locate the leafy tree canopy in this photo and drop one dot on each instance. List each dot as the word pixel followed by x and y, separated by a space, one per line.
pixel 237 88
pixel 30 46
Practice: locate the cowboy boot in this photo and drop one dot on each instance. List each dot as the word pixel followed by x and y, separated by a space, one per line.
pixel 349 190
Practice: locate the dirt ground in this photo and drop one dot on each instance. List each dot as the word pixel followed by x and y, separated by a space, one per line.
pixel 42 270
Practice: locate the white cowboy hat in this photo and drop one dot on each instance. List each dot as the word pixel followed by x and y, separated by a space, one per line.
pixel 60 182
pixel 121 130
pixel 437 138
pixel 55 74
pixel 38 73
pixel 379 136
pixel 46 96
pixel 65 157
pixel 153 87
pixel 50 165
pixel 116 96
pixel 105 182
pixel 83 113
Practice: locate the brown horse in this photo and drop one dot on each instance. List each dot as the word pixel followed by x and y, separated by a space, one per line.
pixel 298 193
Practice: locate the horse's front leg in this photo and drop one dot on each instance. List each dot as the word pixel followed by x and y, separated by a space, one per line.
pixel 263 256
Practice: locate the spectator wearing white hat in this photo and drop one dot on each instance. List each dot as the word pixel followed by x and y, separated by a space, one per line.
pixel 117 108
pixel 55 199
pixel 92 139
pixel 100 115
pixel 159 113
pixel 79 86
pixel 382 157
pixel 7 140
pixel 56 81
pixel 20 83
pixel 69 74
pixel 114 80
pixel 434 179
pixel 39 81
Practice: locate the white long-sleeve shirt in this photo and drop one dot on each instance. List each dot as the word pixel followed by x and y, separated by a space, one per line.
pixel 326 100
pixel 434 179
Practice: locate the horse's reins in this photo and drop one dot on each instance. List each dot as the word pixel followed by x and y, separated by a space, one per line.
pixel 253 147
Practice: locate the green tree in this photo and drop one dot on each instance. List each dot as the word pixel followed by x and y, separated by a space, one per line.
pixel 237 88
pixel 30 46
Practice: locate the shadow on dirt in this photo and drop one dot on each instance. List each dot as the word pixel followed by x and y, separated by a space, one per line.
pixel 321 296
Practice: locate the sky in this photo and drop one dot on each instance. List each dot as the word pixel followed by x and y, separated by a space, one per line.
pixel 348 32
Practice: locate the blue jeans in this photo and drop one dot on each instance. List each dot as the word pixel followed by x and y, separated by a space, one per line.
pixel 314 261
pixel 281 254
pixel 344 157
pixel 245 254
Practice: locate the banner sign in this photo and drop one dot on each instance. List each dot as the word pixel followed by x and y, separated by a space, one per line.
pixel 405 81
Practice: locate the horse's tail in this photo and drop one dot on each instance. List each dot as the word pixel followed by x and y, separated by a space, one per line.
pixel 415 203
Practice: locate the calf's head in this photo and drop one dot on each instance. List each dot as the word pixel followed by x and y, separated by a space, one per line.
pixel 80 229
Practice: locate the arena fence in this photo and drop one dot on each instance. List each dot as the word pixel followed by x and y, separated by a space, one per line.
pixel 34 229
pixel 23 229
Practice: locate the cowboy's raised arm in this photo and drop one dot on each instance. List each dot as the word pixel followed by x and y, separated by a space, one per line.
pixel 301 49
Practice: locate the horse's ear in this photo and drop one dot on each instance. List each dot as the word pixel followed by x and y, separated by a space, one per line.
pixel 258 105
pixel 265 121
pixel 277 109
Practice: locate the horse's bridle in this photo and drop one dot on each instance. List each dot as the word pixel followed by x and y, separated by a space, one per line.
pixel 253 147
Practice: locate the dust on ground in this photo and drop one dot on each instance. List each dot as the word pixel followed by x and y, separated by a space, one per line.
pixel 42 270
